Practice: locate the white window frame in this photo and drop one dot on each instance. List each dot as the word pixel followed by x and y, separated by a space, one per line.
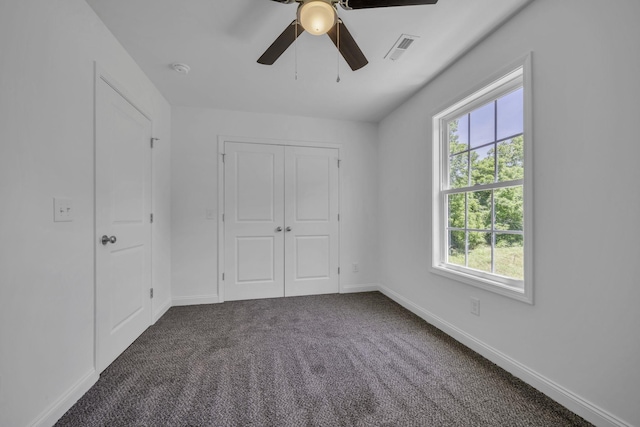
pixel 516 75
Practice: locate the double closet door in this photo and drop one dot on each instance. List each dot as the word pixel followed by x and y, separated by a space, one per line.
pixel 281 224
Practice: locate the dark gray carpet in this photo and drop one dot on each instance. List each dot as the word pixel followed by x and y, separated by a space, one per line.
pixel 331 360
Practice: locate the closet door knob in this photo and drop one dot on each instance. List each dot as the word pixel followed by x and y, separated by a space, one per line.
pixel 106 239
pixel 288 229
pixel 279 229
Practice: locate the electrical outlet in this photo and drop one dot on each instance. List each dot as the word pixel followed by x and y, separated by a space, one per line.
pixel 354 267
pixel 475 306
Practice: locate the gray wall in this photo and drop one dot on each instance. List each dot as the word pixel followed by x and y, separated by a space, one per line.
pixel 582 333
pixel 46 151
pixel 194 170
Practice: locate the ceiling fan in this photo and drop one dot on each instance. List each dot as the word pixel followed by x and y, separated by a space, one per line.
pixel 320 17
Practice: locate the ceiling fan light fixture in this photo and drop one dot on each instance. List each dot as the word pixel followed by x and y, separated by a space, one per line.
pixel 317 16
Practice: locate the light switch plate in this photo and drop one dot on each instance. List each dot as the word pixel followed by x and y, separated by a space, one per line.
pixel 62 209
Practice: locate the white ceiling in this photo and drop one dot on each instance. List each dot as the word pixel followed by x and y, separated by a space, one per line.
pixel 221 41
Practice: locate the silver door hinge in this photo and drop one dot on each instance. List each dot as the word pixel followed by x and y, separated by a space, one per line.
pixel 338 270
pixel 151 293
pixel 339 162
pixel 338 217
pixel 223 154
pixel 153 140
pixel 222 217
pixel 151 218
pixel 223 276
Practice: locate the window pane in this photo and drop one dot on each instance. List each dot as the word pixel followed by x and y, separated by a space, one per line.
pixel 483 125
pixel 509 254
pixel 457 246
pixel 509 208
pixel 456 209
pixel 480 251
pixel 483 165
pixel 479 210
pixel 510 114
pixel 511 159
pixel 459 170
pixel 459 134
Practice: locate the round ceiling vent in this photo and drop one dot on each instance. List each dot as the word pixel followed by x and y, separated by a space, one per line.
pixel 181 68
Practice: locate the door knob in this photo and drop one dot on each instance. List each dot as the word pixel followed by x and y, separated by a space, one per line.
pixel 106 239
pixel 279 229
pixel 288 229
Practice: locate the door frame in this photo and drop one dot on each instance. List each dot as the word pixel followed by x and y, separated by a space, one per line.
pixel 222 139
pixel 101 74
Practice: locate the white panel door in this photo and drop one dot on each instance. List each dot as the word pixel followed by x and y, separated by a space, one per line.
pixel 123 205
pixel 254 217
pixel 311 221
pixel 281 221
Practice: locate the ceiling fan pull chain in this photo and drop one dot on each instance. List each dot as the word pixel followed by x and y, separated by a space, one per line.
pixel 338 54
pixel 296 51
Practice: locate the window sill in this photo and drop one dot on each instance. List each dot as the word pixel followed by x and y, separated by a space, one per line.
pixel 482 283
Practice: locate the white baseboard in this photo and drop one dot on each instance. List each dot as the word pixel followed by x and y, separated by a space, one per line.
pixel 161 311
pixel 195 300
pixel 350 289
pixel 58 408
pixel 555 391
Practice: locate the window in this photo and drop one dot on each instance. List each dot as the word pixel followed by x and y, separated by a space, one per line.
pixel 482 187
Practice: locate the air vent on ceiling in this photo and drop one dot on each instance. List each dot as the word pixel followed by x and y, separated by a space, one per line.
pixel 400 47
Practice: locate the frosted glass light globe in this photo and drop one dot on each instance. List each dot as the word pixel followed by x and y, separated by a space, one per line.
pixel 317 16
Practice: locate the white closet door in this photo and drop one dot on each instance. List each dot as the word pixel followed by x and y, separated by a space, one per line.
pixel 311 221
pixel 254 218
pixel 123 206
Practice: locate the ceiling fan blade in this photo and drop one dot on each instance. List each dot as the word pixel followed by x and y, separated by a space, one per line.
pixel 281 44
pixel 348 47
pixel 368 4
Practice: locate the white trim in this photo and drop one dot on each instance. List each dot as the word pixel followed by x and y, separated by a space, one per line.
pixel 480 282
pixel 508 78
pixel 351 289
pixel 101 73
pixel 221 208
pixel 553 390
pixel 527 75
pixel 480 187
pixel 222 139
pixel 506 81
pixel 195 300
pixel 161 311
pixel 273 141
pixel 57 409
